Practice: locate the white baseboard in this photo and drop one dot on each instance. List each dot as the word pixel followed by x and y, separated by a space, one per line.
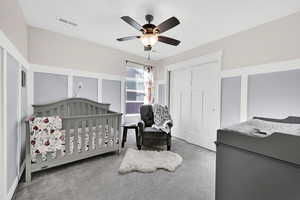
pixel 14 186
pixel 12 189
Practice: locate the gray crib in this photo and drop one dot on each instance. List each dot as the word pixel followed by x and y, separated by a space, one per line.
pixel 80 118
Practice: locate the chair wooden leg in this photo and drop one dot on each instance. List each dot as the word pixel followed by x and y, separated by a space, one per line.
pixel 169 142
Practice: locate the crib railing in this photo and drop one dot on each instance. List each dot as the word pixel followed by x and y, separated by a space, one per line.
pixel 84 136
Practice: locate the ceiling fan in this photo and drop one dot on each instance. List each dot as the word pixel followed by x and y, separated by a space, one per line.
pixel 150 32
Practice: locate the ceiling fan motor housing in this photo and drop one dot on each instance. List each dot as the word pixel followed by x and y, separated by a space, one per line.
pixel 149 29
pixel 149 18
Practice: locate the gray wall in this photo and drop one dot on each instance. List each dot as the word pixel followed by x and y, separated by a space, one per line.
pixel 49 87
pixel 12 118
pixel 89 89
pixel 274 95
pixel 111 92
pixel 230 98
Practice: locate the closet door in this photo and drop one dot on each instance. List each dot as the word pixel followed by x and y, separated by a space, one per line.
pixel 178 108
pixel 195 104
pixel 204 105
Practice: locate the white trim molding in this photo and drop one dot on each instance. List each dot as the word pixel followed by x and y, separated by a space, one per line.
pixel 2 126
pixel 205 59
pixel 6 191
pixel 244 98
pixel 100 95
pixel 12 189
pixel 5 120
pixel 158 83
pixel 70 86
pixel 12 50
pixel 73 72
pixel 262 69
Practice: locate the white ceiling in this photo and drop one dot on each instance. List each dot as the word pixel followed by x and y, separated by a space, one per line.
pixel 201 20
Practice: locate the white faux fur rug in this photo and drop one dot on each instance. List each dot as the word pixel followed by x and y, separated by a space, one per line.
pixel 149 161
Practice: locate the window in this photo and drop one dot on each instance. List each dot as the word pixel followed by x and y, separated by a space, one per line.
pixel 135 89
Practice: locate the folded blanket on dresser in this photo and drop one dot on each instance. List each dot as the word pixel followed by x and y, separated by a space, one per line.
pixel 161 117
pixel 261 128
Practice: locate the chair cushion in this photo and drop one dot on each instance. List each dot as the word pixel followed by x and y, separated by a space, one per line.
pixel 152 130
pixel 147 115
pixel 154 133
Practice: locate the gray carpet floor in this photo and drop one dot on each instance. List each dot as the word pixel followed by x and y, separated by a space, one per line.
pixel 98 179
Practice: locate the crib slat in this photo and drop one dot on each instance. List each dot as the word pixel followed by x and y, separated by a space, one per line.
pixel 103 132
pixel 67 137
pixel 39 158
pixel 119 129
pixel 76 108
pixel 90 125
pixel 92 110
pixel 115 129
pixel 75 137
pixel 111 125
pixel 114 121
pixel 97 132
pixel 59 110
pixel 71 110
pixel 83 126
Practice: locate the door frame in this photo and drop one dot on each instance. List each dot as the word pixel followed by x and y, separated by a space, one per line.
pixel 196 62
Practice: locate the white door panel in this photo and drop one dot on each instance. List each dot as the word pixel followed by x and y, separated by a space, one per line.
pixel 195 102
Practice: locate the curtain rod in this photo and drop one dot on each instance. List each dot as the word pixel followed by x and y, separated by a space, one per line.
pixel 129 61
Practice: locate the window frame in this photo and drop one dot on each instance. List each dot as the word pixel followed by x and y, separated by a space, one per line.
pixel 136 80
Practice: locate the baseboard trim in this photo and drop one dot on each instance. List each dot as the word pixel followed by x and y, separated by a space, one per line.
pixel 12 189
pixel 14 186
pixel 184 140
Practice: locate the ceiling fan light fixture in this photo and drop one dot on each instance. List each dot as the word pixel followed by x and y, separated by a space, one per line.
pixel 149 39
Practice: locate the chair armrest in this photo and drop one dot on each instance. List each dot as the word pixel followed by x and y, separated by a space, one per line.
pixel 141 124
pixel 170 124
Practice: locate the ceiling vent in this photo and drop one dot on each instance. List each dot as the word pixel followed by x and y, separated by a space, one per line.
pixel 67 22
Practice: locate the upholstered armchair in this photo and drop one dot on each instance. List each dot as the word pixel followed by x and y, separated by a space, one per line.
pixel 147 133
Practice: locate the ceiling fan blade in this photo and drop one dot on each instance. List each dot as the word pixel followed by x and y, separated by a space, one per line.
pixel 147 48
pixel 168 24
pixel 128 38
pixel 168 40
pixel 133 23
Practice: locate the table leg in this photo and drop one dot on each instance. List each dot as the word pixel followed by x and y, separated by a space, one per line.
pixel 136 136
pixel 124 136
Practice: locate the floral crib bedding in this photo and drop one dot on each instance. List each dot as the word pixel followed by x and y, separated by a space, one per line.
pixel 47 138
